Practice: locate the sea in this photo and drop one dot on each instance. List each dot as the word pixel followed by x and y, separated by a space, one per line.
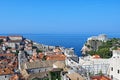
pixel 75 41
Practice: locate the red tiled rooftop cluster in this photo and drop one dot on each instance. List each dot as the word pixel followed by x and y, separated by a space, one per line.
pixel 8 62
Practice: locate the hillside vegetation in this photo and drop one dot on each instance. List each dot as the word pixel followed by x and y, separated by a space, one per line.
pixel 105 50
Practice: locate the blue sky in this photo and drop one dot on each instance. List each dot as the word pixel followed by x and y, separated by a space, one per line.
pixel 59 16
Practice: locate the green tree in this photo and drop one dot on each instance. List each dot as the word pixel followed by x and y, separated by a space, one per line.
pixel 1 41
pixel 44 58
pixel 91 52
pixel 39 51
pixel 55 75
pixel 104 49
pixel 17 51
pixel 100 73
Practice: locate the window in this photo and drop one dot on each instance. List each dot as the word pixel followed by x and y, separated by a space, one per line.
pixel 111 76
pixel 111 68
pixel 118 71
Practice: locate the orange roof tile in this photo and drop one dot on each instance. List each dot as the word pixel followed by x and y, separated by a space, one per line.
pixel 6 71
pixel 96 56
pixel 7 54
pixel 9 65
pixel 100 78
pixel 56 57
pixel 3 37
pixel 14 77
pixel 41 55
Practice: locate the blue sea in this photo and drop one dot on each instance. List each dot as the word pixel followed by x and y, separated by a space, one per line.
pixel 75 41
pixel 64 40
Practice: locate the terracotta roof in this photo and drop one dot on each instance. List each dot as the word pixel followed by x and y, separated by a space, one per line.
pixel 96 56
pixel 100 78
pixel 8 64
pixel 14 41
pixel 6 71
pixel 14 77
pixel 75 76
pixel 7 54
pixel 3 37
pixel 58 57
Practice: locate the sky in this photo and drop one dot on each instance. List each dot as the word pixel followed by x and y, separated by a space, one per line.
pixel 59 16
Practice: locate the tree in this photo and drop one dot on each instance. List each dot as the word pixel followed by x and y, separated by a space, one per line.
pixel 104 49
pixel 115 48
pixel 55 75
pixel 44 58
pixel 104 52
pixel 100 73
pixel 9 48
pixel 39 51
pixel 17 51
pixel 91 52
pixel 1 41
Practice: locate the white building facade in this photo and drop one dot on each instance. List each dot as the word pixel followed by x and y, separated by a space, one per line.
pixel 110 67
pixel 115 65
pixel 101 37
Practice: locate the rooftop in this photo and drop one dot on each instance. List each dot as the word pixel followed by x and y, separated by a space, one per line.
pixel 100 78
pixel 39 64
pixel 96 56
pixel 6 71
pixel 76 59
pixel 38 75
pixel 3 37
pixel 14 77
pixel 8 62
pixel 59 64
pixel 75 76
pixel 7 54
pixel 58 57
